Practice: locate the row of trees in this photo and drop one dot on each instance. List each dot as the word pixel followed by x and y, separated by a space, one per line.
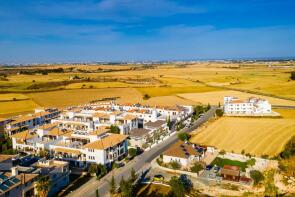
pixel 98 169
pixel 6 146
pixel 127 187
pixel 180 186
pixel 199 109
pixel 289 149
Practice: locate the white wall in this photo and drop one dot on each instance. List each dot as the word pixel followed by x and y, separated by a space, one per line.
pixel 167 159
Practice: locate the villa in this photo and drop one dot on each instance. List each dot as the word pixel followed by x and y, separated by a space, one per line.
pixel 183 153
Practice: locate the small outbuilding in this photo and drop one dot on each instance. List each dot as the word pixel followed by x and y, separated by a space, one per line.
pixel 231 173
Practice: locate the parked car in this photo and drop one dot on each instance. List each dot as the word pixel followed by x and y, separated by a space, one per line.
pixel 209 167
pixel 119 165
pixel 216 169
pixel 158 177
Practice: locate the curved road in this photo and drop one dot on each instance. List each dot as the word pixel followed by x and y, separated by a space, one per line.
pixel 140 164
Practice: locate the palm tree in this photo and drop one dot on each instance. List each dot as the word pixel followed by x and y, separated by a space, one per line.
pixel 43 185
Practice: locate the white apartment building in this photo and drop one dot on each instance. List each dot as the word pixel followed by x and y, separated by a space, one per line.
pixel 152 114
pixel 251 106
pixel 92 117
pixel 77 147
pixel 40 117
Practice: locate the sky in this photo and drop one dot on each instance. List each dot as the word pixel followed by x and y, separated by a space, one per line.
pixel 47 31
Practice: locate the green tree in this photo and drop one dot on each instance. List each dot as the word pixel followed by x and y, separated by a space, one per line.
pixel 115 165
pixel 208 107
pixel 114 129
pixel 183 136
pixel 169 122
pixel 113 185
pixel 175 165
pixel 289 148
pixel 251 162
pixel 43 185
pixel 257 176
pixel 92 168
pixel 101 171
pixel 133 175
pixel 177 187
pixel 198 109
pixel 132 152
pixel 126 188
pixel 219 112
pixel 179 126
pixel 197 167
pixel 187 183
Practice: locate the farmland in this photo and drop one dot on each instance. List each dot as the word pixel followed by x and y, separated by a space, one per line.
pixel 168 84
pixel 258 136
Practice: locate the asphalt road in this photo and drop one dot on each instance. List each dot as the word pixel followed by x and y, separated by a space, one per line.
pixel 140 164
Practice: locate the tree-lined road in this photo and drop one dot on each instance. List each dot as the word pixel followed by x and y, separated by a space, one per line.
pixel 140 163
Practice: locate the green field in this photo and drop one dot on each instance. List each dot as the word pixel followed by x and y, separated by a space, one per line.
pixel 222 162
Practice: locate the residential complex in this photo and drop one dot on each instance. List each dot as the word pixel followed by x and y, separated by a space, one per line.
pixel 251 106
pixel 98 132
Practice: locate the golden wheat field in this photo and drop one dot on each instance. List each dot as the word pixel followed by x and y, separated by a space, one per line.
pixel 166 84
pixel 11 108
pixel 257 136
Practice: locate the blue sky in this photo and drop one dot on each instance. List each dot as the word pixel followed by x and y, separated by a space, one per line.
pixel 119 30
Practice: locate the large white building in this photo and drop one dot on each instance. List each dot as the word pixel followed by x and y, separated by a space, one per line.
pixel 251 106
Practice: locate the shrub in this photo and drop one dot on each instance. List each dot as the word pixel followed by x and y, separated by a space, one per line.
pixel 197 167
pixel 159 161
pixel 251 162
pixel 183 136
pixel 292 77
pixel 175 165
pixel 257 176
pixel 265 156
pixel 92 168
pixel 146 97
pixel 179 126
pixel 186 182
pixel 219 112
pixel 289 149
pixel 132 152
pixel 114 129
pixel 222 152
pixel 177 187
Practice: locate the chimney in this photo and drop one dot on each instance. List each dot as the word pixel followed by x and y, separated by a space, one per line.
pixel 14 171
